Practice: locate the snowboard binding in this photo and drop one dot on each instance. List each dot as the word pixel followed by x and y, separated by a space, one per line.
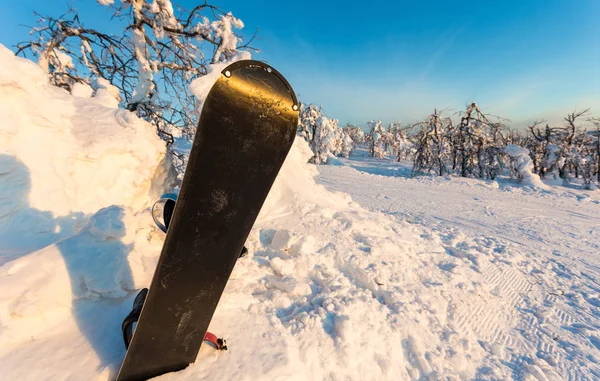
pixel 127 326
pixel 162 211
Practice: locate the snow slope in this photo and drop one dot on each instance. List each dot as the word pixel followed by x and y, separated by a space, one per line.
pixel 395 285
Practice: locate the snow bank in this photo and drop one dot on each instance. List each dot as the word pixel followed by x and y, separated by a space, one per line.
pixel 65 156
pixel 79 154
pixel 66 161
pixel 295 189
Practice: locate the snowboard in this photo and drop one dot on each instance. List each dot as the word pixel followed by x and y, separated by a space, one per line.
pixel 246 128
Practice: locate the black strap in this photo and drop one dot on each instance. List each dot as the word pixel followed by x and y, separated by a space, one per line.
pixel 134 315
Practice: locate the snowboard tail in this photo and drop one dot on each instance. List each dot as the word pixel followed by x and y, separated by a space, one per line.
pixel 247 126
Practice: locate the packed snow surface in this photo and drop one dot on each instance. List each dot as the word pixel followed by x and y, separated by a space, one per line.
pixel 355 272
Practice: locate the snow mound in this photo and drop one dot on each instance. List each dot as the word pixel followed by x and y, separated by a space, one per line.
pixel 65 156
pixel 80 155
pixel 295 188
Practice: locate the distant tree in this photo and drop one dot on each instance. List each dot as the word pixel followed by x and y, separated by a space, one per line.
pixel 596 123
pixel 468 139
pixel 401 145
pixel 307 120
pixel 433 145
pixel 379 138
pixel 563 150
pixel 574 147
pixel 356 134
pixel 324 136
pixel 347 143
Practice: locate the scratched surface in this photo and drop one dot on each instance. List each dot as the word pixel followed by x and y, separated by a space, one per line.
pixel 245 131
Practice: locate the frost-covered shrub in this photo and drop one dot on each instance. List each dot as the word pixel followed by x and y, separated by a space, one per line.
pixel 356 134
pixel 379 139
pixel 550 161
pixel 347 144
pixel 565 151
pixel 324 136
pixel 521 166
pixel 472 149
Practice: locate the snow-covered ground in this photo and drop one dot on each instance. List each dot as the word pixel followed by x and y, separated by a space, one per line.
pixel 402 279
pixel 521 266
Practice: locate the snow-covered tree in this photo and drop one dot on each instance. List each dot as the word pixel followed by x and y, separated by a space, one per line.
pixel 476 142
pixel 521 166
pixel 154 58
pixel 325 140
pixel 596 146
pixel 379 138
pixel 347 144
pixel 399 143
pixel 324 135
pixel 433 145
pixel 575 143
pixel 307 120
pixel 565 150
pixel 356 134
pixel 474 148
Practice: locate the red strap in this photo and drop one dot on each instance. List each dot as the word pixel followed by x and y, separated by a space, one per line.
pixel 218 343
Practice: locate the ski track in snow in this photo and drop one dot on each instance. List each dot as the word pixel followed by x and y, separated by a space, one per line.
pixel 536 252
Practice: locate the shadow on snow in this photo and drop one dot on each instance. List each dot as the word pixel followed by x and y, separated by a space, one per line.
pixel 93 253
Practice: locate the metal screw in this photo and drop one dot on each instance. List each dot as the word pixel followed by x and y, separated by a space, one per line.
pixel 269 70
pixel 227 73
pixel 295 107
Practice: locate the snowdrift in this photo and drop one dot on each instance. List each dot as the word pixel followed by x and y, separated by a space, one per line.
pixel 63 157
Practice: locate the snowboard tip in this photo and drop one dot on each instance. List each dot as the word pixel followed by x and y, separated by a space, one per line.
pixel 230 69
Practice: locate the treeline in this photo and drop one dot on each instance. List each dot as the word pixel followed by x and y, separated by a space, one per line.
pixel 478 145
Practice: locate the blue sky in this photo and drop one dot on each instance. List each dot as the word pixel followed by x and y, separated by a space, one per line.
pixel 397 60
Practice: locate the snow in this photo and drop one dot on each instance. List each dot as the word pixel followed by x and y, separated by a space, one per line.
pixel 145 75
pixel 223 32
pixel 82 90
pixel 105 93
pixel 519 265
pixel 355 272
pixel 164 9
pixel 64 156
pixel 59 60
